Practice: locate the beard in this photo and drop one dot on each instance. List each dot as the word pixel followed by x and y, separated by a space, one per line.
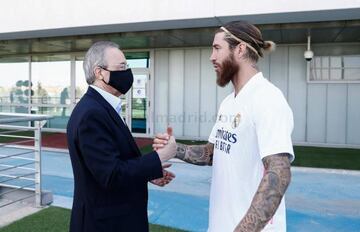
pixel 227 71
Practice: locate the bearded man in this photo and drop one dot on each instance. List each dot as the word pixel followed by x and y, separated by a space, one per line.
pixel 250 145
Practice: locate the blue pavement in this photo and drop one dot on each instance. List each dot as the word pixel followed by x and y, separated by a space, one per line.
pixel 316 200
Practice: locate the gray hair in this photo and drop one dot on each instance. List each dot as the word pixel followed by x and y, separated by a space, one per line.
pixel 95 57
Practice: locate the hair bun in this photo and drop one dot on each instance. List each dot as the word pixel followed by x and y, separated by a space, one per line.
pixel 269 46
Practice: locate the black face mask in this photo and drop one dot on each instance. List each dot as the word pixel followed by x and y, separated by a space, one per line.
pixel 121 80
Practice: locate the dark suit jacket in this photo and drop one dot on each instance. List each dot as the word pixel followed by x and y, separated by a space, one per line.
pixel 110 174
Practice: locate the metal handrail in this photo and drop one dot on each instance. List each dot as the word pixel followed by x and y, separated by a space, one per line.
pixel 9 167
pixel 21 177
pixel 32 174
pixel 17 142
pixel 10 117
pixel 16 188
pixel 17 136
pixel 15 156
pixel 12 131
pixel 17 200
pixel 10 127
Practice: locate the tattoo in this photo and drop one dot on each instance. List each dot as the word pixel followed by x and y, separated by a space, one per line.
pixel 269 194
pixel 196 154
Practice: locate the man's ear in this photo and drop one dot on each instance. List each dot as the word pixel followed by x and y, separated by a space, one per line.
pixel 240 50
pixel 97 72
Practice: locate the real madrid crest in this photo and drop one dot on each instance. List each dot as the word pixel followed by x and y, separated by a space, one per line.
pixel 236 121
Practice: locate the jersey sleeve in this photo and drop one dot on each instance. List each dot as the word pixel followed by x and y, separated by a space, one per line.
pixel 214 129
pixel 212 135
pixel 274 124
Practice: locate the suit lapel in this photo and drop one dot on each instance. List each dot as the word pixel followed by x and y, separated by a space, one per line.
pixel 123 128
pixel 115 116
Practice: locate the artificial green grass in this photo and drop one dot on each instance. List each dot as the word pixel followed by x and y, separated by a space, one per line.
pixel 191 142
pixel 324 157
pixel 55 219
pixel 52 219
pixel 316 157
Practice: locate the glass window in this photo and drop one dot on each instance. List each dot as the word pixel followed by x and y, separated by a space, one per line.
pixel 137 59
pixel 138 63
pixel 50 76
pixel 22 109
pixel 352 74
pixel 335 62
pixel 324 62
pixel 318 74
pixel 335 68
pixel 60 115
pixel 325 74
pixel 335 74
pixel 14 109
pixel 81 84
pixel 317 62
pixel 352 61
pixel 139 101
pixel 14 81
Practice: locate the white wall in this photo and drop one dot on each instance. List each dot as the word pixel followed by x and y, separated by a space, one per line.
pixel 324 113
pixel 327 113
pixel 186 94
pixel 43 17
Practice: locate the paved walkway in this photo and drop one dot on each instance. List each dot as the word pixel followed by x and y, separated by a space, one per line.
pixel 15 211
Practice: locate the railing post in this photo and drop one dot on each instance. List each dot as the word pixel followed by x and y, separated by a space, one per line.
pixel 37 146
pixel 26 190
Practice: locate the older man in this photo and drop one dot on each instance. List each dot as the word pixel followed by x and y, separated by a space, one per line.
pixel 110 174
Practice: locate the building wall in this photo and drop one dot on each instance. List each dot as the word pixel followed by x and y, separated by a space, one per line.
pixel 43 18
pixel 324 113
pixel 186 95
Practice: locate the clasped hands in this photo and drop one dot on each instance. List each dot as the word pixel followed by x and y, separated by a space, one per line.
pixel 165 145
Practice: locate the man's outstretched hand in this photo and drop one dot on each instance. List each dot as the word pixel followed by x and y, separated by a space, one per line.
pixel 166 179
pixel 161 140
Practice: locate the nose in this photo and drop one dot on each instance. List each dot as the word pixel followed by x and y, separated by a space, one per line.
pixel 212 57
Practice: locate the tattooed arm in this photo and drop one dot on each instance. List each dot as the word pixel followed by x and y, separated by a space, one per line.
pixel 195 154
pixel 269 194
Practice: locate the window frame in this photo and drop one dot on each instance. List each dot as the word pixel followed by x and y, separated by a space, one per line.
pixel 310 70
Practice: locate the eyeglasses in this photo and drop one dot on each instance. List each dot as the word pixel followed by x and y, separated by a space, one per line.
pixel 122 66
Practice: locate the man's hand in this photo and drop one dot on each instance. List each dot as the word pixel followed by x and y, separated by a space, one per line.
pixel 166 179
pixel 162 139
pixel 168 150
pixel 193 154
